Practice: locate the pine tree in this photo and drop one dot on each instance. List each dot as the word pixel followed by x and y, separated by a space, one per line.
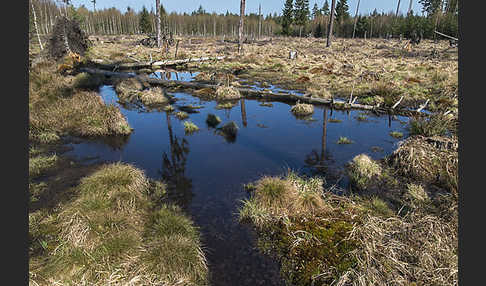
pixel 430 6
pixel 325 8
pixel 301 12
pixel 342 11
pixel 318 32
pixel 287 17
pixel 315 11
pixel 144 23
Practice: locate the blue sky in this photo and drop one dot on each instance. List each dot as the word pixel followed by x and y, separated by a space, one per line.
pixel 268 6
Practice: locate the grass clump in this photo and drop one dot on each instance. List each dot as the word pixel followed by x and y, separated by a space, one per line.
pixel 352 240
pixel 288 213
pixel 59 106
pixel 38 165
pixel 111 232
pixel 434 126
pixel 225 105
pixel 396 134
pixel 429 159
pixel 83 114
pixel 302 109
pixel 128 89
pixel 229 131
pixel 227 92
pixel 169 108
pixel 190 127
pixel 363 171
pixel 88 81
pixel 181 115
pixel 344 140
pixel 213 120
pixel 153 96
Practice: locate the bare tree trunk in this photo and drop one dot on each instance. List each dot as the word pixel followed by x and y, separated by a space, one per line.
pixel 36 28
pixel 157 11
pixel 240 32
pixel 331 21
pixel 439 12
pixel 398 7
pixel 410 7
pixel 356 18
pixel 259 21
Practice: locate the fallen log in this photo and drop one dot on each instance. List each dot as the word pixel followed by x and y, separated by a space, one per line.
pixel 156 64
pixel 447 36
pixel 254 94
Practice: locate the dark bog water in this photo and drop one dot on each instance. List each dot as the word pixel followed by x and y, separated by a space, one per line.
pixel 206 171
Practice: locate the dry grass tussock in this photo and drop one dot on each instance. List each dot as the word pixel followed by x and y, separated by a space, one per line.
pixel 82 114
pixel 60 105
pixel 110 234
pixel 302 109
pixel 153 96
pixel 430 159
pixel 227 92
pixel 363 170
pixel 325 239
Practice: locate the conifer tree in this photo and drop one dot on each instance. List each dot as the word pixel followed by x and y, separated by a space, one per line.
pixel 325 8
pixel 144 22
pixel 287 17
pixel 301 12
pixel 315 11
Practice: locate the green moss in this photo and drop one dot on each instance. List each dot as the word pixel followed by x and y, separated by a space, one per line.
pixel 378 207
pixel 308 248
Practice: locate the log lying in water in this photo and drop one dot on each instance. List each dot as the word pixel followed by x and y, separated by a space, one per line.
pixel 255 94
pixel 158 64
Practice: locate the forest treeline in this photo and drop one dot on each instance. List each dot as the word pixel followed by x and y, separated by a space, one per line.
pixel 296 19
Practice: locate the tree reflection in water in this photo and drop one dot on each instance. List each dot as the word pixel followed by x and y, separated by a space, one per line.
pixel 317 162
pixel 179 187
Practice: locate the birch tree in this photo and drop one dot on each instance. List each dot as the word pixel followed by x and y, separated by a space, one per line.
pixel 356 18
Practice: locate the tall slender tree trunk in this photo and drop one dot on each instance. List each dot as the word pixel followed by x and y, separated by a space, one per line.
pixel 36 28
pixel 331 21
pixel 398 8
pixel 259 21
pixel 157 12
pixel 410 7
pixel 356 18
pixel 240 32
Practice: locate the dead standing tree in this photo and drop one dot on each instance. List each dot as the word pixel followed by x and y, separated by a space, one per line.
pixel 36 28
pixel 398 8
pixel 355 19
pixel 157 5
pixel 331 21
pixel 240 32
